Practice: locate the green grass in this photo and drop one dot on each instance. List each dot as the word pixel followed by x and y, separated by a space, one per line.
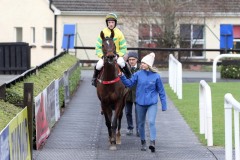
pixel 7 113
pixel 189 106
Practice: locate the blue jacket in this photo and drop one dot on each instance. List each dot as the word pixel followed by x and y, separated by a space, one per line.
pixel 149 86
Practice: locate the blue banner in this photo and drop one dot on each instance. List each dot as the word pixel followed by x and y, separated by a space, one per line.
pixel 68 36
pixel 226 36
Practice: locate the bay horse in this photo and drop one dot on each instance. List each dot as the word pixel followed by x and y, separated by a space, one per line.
pixel 111 91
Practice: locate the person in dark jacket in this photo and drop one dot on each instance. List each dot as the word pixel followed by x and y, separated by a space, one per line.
pixel 148 87
pixel 134 66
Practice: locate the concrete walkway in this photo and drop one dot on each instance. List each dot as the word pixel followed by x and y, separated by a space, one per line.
pixel 81 134
pixel 6 78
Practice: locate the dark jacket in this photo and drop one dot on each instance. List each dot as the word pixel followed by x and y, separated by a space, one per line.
pixel 132 93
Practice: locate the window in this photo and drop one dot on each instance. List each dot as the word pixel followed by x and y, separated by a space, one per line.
pixel 33 38
pixel 148 35
pixel 19 34
pixel 236 37
pixel 48 35
pixel 192 37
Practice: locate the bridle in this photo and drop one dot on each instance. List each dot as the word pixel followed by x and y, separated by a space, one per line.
pixel 109 51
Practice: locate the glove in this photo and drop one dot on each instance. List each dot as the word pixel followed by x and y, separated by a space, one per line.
pixel 120 74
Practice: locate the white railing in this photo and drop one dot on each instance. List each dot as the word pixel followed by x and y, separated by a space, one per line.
pixel 214 78
pixel 175 75
pixel 205 111
pixel 229 104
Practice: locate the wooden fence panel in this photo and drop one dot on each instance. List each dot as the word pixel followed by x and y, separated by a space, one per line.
pixel 15 57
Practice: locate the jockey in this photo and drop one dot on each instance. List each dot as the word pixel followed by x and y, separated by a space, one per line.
pixel 120 43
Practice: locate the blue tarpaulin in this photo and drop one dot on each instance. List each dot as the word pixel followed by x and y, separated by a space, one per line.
pixel 68 36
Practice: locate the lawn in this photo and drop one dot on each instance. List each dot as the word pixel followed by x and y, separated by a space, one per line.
pixel 189 106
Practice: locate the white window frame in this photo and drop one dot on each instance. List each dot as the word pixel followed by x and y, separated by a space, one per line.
pixel 45 36
pixel 195 41
pixel 16 34
pixel 151 39
pixel 33 35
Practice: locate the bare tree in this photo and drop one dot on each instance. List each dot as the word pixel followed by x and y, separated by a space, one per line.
pixel 156 22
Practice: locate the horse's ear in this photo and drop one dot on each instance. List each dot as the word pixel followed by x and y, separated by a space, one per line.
pixel 112 34
pixel 102 35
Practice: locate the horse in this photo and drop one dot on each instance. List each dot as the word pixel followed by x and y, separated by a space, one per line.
pixel 111 91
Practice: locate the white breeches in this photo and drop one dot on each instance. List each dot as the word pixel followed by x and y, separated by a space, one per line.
pixel 99 64
pixel 120 62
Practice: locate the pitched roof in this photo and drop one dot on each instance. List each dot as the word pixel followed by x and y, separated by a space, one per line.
pixel 91 6
pixel 213 6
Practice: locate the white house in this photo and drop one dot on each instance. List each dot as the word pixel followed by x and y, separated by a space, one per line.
pixel 29 21
pixel 41 24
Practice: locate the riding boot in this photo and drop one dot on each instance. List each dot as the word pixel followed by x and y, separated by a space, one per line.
pixel 126 71
pixel 95 75
pixel 152 146
pixel 144 147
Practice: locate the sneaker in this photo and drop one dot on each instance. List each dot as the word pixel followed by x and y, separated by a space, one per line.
pixel 143 146
pixel 152 146
pixel 129 132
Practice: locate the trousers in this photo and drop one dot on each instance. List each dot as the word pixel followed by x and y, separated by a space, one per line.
pixel 150 112
pixel 129 116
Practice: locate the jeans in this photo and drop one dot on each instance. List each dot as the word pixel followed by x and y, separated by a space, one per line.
pixel 142 112
pixel 128 112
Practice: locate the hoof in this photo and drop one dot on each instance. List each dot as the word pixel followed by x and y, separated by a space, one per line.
pixel 118 138
pixel 118 142
pixel 113 147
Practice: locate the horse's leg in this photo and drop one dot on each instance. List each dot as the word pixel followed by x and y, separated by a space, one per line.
pixel 118 138
pixel 114 127
pixel 119 115
pixel 108 117
pixel 113 135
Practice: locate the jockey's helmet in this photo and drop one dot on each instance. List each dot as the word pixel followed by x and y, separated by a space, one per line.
pixel 111 17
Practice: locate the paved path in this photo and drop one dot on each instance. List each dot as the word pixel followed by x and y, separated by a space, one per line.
pixel 6 78
pixel 81 134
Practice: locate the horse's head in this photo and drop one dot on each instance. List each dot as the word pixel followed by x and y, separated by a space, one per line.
pixel 108 47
